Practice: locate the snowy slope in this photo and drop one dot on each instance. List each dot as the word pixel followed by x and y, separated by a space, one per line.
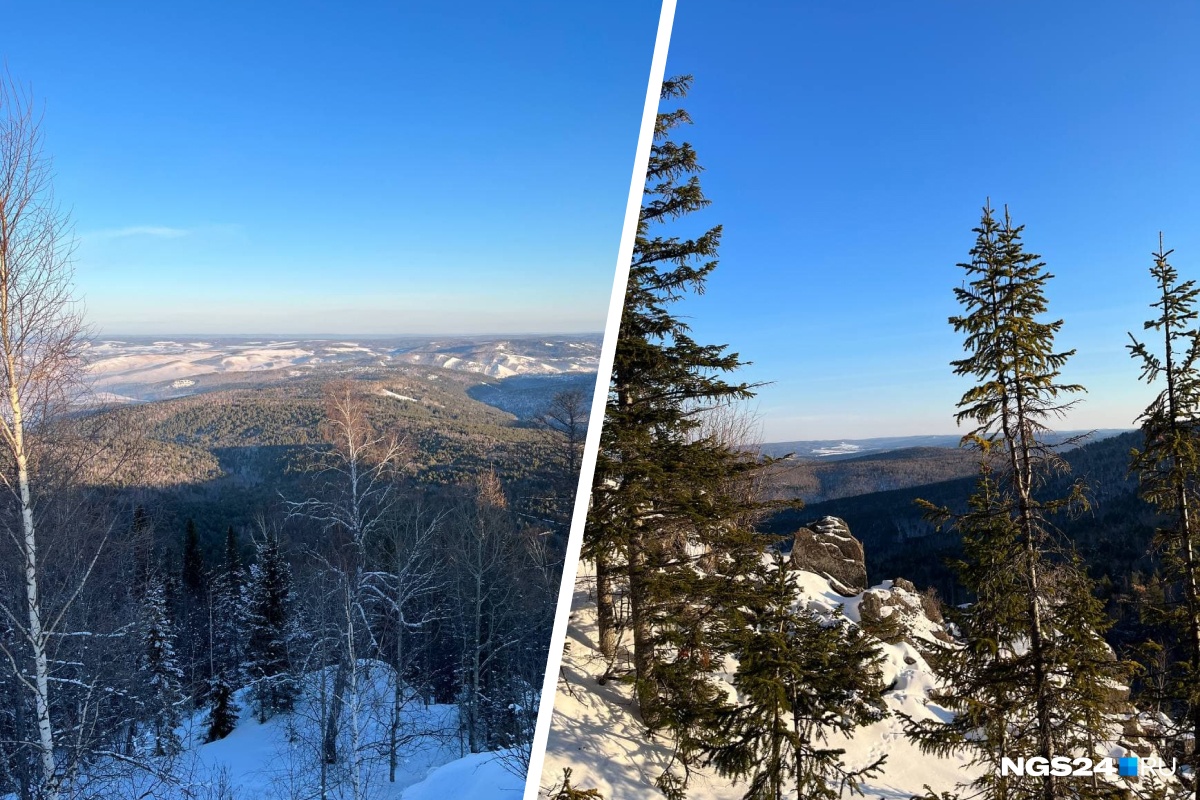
pixel 279 759
pixel 596 733
pixel 483 775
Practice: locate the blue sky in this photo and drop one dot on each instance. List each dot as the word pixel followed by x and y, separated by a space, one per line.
pixel 849 148
pixel 365 168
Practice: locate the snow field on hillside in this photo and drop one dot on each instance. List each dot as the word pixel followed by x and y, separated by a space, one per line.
pixel 280 759
pixel 596 732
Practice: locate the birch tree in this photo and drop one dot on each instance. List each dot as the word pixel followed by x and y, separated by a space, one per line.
pixel 358 469
pixel 41 336
pixel 406 588
pixel 484 548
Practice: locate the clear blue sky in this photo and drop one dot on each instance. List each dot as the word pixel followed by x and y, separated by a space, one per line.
pixel 357 168
pixel 850 146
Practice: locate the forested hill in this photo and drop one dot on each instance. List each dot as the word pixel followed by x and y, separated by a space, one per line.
pixel 816 480
pixel 224 457
pixel 864 466
pixel 1113 536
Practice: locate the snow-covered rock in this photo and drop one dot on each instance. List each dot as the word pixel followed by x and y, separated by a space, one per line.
pixel 827 548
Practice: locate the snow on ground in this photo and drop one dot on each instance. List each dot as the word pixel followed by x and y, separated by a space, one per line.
pixel 483 775
pixel 596 733
pixel 279 759
pixel 843 449
pixel 108 398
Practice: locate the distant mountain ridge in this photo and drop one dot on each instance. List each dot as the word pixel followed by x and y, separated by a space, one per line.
pixel 830 449
pixel 137 369
pixel 1113 535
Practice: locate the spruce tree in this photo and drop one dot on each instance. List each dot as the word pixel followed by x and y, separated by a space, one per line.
pixel 228 614
pixel 667 513
pixel 1032 674
pixel 271 630
pixel 193 615
pixel 160 674
pixel 799 679
pixel 192 575
pixel 1168 468
pixel 222 708
pixel 228 611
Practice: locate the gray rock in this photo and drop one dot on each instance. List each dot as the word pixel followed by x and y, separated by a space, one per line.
pixel 827 548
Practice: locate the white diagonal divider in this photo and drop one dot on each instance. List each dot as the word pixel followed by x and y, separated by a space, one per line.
pixel 591 445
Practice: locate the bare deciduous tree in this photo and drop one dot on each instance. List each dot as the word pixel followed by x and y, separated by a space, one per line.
pixel 482 556
pixel 568 414
pixel 359 467
pixel 41 336
pixel 405 588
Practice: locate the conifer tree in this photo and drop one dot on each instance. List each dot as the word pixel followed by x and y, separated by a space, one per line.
pixel 193 614
pixel 141 521
pixel 222 708
pixel 799 679
pixel 192 575
pixel 665 520
pixel 1168 467
pixel 228 613
pixel 159 671
pixel 1032 673
pixel 228 610
pixel 271 630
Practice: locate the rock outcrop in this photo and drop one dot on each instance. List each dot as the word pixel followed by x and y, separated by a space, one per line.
pixel 895 610
pixel 827 548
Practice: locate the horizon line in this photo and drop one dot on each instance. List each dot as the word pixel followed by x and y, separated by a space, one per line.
pixel 850 439
pixel 185 334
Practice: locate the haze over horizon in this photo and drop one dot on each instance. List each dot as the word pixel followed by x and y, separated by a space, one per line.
pixel 326 335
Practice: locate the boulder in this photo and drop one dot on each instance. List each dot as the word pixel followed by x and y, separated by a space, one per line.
pixel 827 548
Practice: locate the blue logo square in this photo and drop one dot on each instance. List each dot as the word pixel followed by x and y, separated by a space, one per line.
pixel 1128 767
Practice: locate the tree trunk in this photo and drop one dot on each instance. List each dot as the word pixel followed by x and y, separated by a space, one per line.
pixel 643 647
pixel 397 700
pixel 605 616
pixel 37 635
pixel 329 751
pixel 1021 459
pixel 476 666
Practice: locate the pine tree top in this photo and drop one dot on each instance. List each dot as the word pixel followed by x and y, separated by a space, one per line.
pixel 1010 349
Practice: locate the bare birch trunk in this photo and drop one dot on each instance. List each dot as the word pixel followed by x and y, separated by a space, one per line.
pixel 37 634
pixel 39 336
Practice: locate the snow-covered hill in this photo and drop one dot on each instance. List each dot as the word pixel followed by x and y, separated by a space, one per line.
pixel 596 733
pixel 135 369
